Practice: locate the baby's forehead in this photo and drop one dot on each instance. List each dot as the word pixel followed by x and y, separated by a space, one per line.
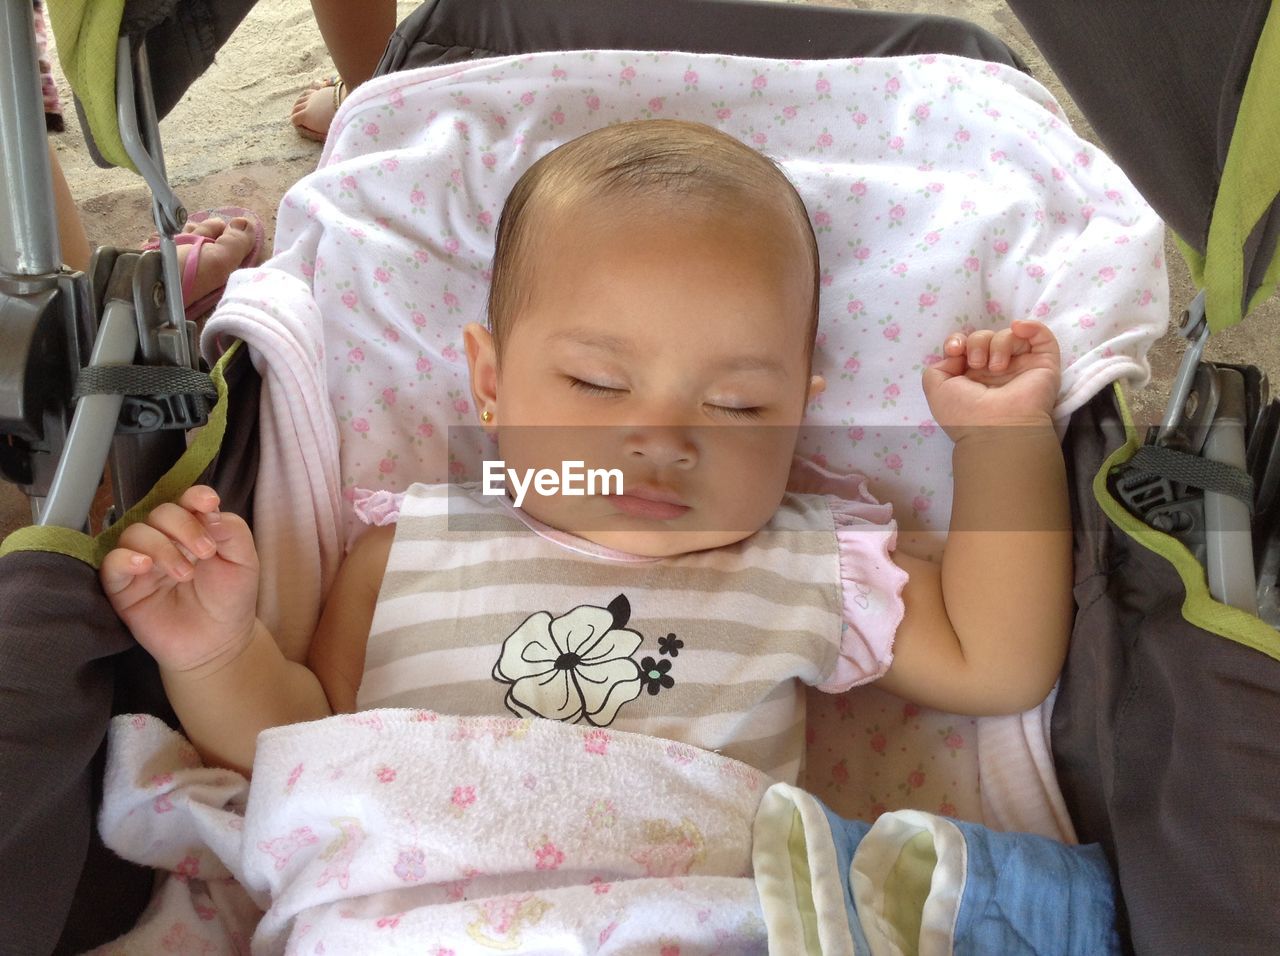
pixel 679 213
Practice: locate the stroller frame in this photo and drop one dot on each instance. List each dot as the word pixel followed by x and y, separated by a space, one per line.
pixel 128 303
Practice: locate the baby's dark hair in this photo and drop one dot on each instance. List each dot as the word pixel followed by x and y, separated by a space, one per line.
pixel 690 162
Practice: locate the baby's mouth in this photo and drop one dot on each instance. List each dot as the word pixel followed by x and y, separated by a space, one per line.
pixel 643 501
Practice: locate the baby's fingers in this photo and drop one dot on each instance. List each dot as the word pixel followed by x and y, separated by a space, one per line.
pixel 952 362
pixel 200 499
pixel 164 552
pixel 184 529
pixel 121 567
pixel 1005 346
pixel 978 348
pixel 1023 337
pixel 229 532
pixel 1038 337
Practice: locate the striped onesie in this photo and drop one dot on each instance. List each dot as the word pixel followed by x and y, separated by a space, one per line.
pixel 483 610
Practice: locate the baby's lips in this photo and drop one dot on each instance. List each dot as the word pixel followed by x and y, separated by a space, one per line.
pixel 656 493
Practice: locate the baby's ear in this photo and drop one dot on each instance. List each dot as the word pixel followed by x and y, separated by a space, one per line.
pixel 482 361
pixel 817 385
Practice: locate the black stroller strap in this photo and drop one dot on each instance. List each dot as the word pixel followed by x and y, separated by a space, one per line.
pixel 156 397
pixel 143 380
pixel 1187 469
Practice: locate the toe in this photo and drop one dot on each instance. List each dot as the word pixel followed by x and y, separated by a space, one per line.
pixel 313 113
pixel 236 240
pixel 211 228
pixel 218 259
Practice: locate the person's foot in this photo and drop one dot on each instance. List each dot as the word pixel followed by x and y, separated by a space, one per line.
pixel 314 110
pixel 232 243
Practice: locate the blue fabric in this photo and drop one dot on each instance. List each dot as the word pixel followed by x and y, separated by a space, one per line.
pixel 1028 894
pixel 1024 895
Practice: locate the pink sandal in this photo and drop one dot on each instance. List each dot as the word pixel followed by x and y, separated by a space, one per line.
pixel 206 303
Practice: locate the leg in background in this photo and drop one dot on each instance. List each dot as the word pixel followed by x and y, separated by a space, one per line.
pixel 71 234
pixel 355 35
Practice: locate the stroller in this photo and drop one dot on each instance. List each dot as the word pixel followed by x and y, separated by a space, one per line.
pixel 1123 741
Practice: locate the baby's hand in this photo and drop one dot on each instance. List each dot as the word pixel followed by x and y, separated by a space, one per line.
pixel 986 378
pixel 185 581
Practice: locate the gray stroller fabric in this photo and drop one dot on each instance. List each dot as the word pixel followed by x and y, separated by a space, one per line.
pixel 446 31
pixel 182 46
pixel 183 36
pixel 1161 81
pixel 63 663
pixel 1164 738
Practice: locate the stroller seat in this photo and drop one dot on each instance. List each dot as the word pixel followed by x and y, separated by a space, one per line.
pixel 381 257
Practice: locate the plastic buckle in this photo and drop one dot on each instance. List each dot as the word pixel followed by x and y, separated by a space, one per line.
pixel 1163 505
pixel 1142 493
pixel 140 414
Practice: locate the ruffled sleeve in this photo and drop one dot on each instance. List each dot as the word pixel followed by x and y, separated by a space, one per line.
pixel 866 535
pixel 376 508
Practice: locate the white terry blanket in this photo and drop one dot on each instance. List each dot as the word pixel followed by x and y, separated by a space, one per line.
pixel 945 193
pixel 406 831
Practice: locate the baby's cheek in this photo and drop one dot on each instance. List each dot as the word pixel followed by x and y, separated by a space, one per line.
pixel 753 498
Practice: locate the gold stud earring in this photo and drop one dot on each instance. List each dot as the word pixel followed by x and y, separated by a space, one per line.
pixel 486 416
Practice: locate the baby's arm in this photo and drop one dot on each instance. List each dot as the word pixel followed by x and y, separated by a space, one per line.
pixel 986 631
pixel 185 581
pixel 337 649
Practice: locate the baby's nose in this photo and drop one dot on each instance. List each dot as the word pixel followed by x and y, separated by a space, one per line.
pixel 662 447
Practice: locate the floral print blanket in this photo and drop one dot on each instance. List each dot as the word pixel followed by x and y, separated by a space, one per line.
pixel 402 830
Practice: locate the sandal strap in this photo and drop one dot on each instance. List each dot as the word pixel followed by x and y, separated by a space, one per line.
pixel 192 265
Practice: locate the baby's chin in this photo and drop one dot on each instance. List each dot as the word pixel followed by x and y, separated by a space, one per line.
pixel 658 543
pixel 700 529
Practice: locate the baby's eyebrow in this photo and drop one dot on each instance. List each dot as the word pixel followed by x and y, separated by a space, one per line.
pixel 750 363
pixel 595 339
pixel 617 345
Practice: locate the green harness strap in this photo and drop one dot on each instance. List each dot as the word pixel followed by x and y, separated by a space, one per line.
pixel 1198 607
pixel 1250 185
pixel 86 33
pixel 176 480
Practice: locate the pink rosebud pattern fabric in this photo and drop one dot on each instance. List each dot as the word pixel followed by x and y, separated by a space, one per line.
pixel 412 831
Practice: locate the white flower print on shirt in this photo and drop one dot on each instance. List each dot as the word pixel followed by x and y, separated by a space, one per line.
pixel 574 667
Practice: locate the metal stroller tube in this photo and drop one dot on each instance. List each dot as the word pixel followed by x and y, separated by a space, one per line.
pixel 127 319
pixel 92 427
pixel 1196 331
pixel 29 245
pixel 1228 544
pixel 143 146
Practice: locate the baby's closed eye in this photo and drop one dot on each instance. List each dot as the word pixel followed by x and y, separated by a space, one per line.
pixel 746 412
pixel 595 388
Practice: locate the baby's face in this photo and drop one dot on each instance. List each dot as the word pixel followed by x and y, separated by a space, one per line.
pixel 671 348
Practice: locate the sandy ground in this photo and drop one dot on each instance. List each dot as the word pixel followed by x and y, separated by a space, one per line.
pixel 229 142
